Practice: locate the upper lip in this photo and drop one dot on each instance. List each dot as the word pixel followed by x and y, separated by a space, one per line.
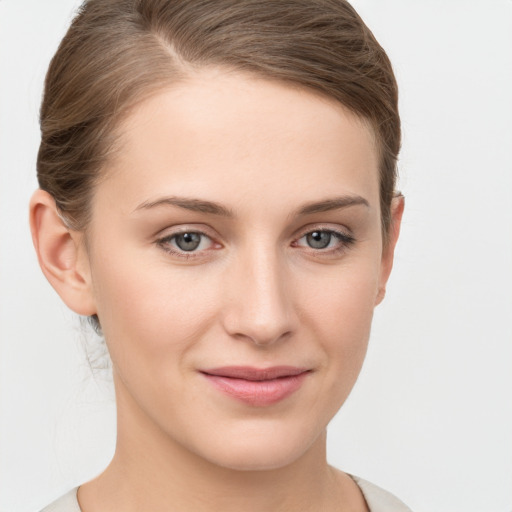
pixel 255 374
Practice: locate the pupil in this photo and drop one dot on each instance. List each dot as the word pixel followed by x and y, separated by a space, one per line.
pixel 188 241
pixel 319 239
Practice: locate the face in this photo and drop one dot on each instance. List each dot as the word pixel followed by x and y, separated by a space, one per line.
pixel 235 254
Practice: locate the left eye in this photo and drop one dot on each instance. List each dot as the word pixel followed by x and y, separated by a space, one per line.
pixel 188 241
pixel 324 239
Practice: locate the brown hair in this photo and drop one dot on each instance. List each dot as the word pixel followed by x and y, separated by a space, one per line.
pixel 117 52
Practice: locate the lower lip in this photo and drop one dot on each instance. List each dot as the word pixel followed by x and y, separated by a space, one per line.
pixel 258 393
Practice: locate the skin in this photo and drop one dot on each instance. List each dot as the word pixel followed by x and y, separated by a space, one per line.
pixel 254 293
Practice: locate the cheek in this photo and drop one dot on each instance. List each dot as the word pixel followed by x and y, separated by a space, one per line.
pixel 340 315
pixel 149 309
pixel 344 300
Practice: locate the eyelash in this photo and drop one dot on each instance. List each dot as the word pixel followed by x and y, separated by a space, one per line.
pixel 345 242
pixel 164 243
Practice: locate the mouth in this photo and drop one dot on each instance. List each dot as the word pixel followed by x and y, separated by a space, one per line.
pixel 255 386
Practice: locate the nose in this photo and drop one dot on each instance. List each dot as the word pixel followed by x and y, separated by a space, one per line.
pixel 259 306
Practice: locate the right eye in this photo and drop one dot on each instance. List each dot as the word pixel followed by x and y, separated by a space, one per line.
pixel 188 241
pixel 186 244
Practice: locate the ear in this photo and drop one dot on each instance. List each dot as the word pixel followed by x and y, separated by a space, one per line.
pixel 388 251
pixel 61 254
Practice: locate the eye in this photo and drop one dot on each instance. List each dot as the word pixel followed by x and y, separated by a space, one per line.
pixel 319 239
pixel 186 243
pixel 326 240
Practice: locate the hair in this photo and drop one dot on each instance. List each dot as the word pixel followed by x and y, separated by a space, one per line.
pixel 118 52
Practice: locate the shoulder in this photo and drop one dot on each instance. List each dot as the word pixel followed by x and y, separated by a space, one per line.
pixel 378 499
pixel 67 503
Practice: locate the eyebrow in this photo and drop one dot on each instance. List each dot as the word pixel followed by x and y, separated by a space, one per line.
pixel 210 207
pixel 195 205
pixel 334 203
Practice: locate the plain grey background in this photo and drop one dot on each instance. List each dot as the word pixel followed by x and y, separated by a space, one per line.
pixel 431 416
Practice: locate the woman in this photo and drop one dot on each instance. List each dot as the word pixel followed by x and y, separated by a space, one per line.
pixel 217 194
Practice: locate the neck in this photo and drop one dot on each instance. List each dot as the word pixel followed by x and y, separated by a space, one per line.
pixel 151 471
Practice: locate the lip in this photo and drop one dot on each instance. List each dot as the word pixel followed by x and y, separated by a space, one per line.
pixel 257 386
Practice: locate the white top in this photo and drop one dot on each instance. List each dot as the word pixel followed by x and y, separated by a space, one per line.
pixel 378 500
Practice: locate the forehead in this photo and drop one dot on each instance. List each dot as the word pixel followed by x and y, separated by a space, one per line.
pixel 242 137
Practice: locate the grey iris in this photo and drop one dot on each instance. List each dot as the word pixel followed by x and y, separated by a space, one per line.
pixel 319 239
pixel 188 241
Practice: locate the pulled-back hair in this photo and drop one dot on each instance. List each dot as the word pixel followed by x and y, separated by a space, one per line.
pixel 118 52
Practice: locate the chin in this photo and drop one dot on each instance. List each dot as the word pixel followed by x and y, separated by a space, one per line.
pixel 262 450
pixel 257 460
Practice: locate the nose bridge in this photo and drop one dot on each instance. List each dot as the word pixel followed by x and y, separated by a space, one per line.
pixel 260 299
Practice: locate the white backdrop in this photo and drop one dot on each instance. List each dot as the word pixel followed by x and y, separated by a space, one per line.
pixel 431 416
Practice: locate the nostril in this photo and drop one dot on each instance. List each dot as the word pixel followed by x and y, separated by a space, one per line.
pixel 262 337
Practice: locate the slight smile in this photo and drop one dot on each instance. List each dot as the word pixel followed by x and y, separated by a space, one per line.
pixel 257 387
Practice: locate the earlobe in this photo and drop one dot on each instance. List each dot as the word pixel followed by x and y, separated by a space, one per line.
pixel 388 252
pixel 61 254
